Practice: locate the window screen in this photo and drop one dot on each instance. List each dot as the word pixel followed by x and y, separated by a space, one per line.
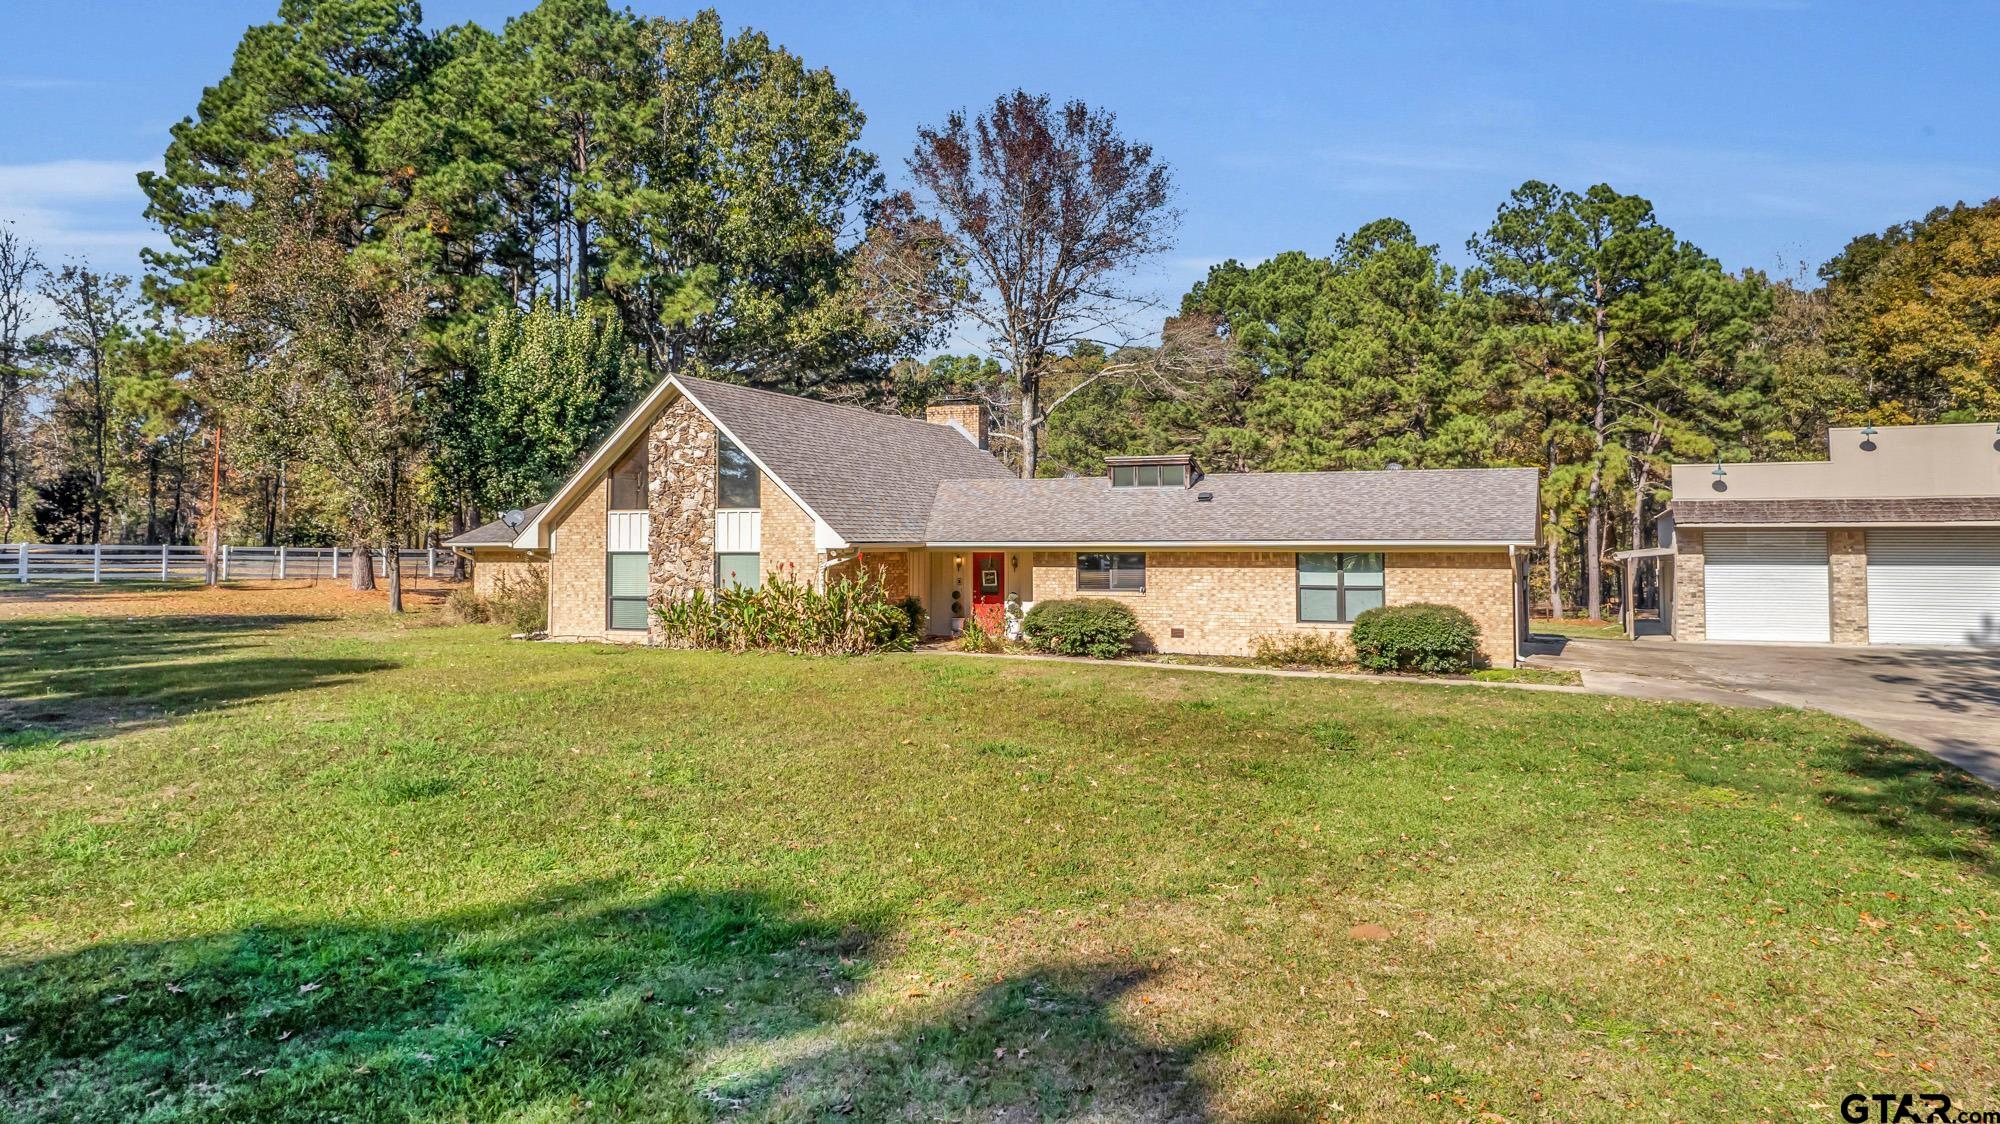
pixel 736 569
pixel 626 585
pixel 735 478
pixel 1338 587
pixel 1111 572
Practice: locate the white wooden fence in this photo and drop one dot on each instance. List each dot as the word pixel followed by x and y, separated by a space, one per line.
pixel 118 563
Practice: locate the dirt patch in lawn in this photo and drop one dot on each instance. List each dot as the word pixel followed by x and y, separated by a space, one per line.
pixel 305 597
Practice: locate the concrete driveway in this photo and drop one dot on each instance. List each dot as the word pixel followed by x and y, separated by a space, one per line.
pixel 1945 700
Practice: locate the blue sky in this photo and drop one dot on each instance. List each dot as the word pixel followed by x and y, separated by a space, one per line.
pixel 1767 131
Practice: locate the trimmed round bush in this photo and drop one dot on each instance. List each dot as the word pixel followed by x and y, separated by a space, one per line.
pixel 1435 639
pixel 1085 626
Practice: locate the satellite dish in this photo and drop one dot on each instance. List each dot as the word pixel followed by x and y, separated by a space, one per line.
pixel 514 518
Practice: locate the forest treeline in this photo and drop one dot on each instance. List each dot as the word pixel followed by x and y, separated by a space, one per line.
pixel 406 277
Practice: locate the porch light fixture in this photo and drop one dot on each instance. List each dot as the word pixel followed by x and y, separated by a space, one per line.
pixel 1867 436
pixel 1718 470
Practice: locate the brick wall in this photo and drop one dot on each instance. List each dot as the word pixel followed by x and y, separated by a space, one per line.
pixel 1479 582
pixel 1847 555
pixel 785 535
pixel 1690 590
pixel 576 569
pixel 971 417
pixel 493 569
pixel 1223 600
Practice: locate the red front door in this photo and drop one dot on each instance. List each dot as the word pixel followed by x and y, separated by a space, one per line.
pixel 989 591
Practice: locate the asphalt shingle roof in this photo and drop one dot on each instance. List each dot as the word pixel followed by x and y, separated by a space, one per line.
pixel 495 533
pixel 871 476
pixel 1932 509
pixel 1485 505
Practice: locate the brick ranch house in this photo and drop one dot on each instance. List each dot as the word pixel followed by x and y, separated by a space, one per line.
pixel 707 483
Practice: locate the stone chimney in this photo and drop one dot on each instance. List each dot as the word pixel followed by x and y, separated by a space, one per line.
pixel 967 415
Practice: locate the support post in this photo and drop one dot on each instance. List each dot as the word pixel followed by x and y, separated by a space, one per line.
pixel 336 563
pixel 24 563
pixel 97 562
pixel 430 561
pixel 225 562
pixel 281 563
pixel 163 561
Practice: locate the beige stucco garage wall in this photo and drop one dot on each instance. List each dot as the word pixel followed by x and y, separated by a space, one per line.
pixel 1223 600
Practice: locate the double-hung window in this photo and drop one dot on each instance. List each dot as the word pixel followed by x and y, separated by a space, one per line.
pixel 1336 588
pixel 1111 572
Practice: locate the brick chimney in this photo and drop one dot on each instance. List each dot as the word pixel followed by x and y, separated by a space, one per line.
pixel 967 415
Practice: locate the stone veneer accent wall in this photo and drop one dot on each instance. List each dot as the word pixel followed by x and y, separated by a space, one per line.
pixel 576 569
pixel 493 570
pixel 1847 555
pixel 1690 588
pixel 1222 600
pixel 680 484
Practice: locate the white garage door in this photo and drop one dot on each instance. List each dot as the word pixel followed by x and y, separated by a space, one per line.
pixel 1934 587
pixel 1767 585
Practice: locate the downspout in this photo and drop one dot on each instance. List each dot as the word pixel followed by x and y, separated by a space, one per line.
pixel 819 578
pixel 1519 598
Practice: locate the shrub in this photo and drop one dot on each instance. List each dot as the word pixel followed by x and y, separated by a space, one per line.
pixel 1436 639
pixel 850 617
pixel 913 608
pixel 466 607
pixel 1300 649
pixel 1086 626
pixel 522 604
pixel 976 637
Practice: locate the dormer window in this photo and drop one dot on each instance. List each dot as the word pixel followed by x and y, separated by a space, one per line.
pixel 1152 472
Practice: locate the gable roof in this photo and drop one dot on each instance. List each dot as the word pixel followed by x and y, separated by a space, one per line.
pixel 872 477
pixel 869 477
pixel 1485 506
pixel 495 533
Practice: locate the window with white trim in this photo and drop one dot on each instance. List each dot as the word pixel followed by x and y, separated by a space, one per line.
pixel 1335 588
pixel 1111 573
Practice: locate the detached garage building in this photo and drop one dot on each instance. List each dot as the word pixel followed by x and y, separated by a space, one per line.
pixel 1894 540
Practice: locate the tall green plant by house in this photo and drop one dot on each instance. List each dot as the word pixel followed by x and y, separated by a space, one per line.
pixel 851 616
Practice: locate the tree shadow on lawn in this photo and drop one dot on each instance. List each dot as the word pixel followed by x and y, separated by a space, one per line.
pixel 79 677
pixel 1908 793
pixel 703 1005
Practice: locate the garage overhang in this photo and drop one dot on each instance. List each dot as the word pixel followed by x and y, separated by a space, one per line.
pixel 1936 511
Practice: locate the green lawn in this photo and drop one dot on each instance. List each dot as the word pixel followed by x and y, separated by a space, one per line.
pixel 297 868
pixel 1577 626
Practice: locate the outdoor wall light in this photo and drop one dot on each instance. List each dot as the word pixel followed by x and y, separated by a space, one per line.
pixel 1718 470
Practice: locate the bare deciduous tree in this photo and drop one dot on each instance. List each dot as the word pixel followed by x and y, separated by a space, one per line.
pixel 1046 208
